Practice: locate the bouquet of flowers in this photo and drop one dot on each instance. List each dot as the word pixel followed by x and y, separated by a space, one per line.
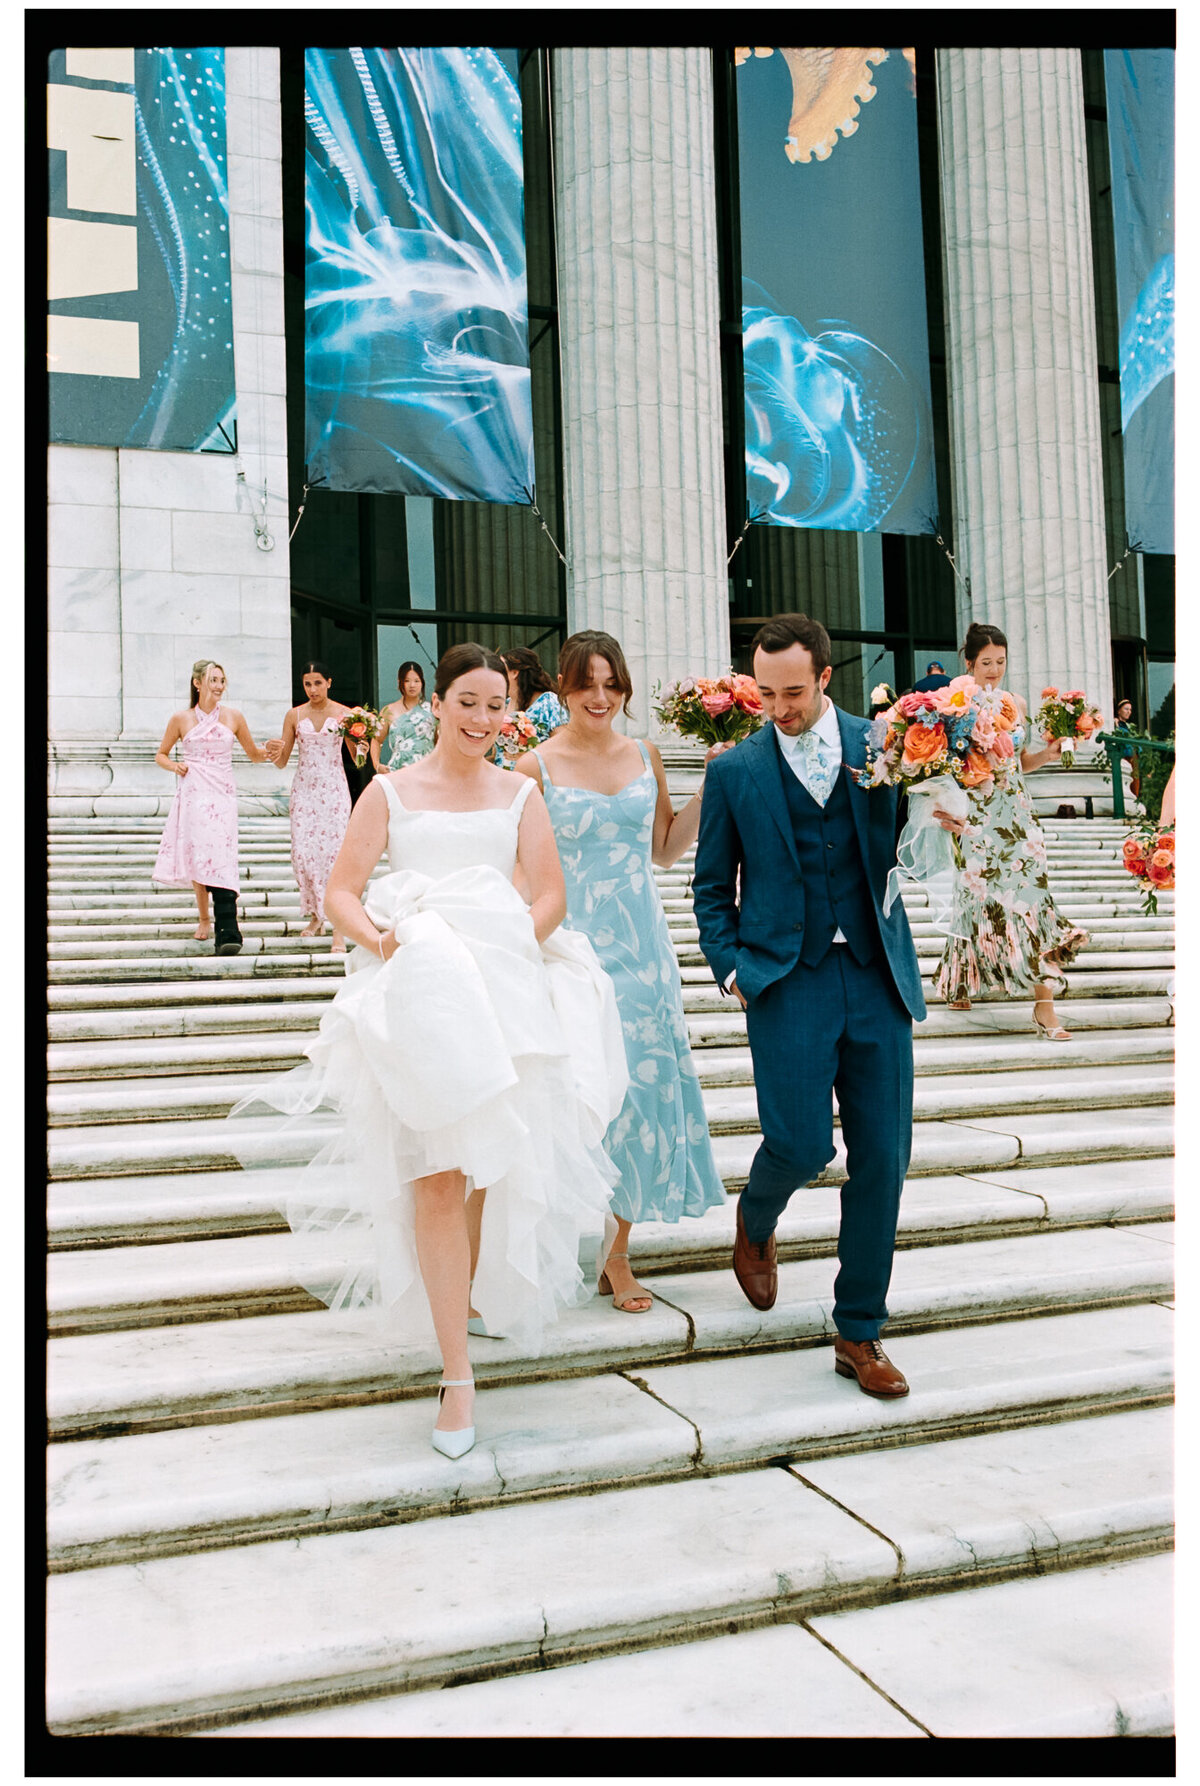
pixel 358 727
pixel 942 743
pixel 517 735
pixel 1067 715
pixel 1149 855
pixel 717 710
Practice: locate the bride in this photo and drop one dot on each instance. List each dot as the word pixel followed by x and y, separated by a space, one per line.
pixel 469 1064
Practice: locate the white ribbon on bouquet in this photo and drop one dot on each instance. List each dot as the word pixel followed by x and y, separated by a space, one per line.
pixel 925 852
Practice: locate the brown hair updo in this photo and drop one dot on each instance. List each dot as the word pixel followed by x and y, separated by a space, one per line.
pixel 532 678
pixel 460 660
pixel 978 636
pixel 574 662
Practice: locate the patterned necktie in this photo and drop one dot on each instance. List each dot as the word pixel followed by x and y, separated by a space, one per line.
pixel 813 766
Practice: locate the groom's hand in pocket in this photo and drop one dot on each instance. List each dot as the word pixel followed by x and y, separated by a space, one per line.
pixel 737 993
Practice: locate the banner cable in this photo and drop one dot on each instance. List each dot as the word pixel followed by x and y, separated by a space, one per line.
pixel 541 523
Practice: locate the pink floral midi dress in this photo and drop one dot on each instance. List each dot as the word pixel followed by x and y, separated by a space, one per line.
pixel 320 808
pixel 200 837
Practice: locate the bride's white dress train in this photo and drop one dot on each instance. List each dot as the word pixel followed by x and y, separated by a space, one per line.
pixel 471 1047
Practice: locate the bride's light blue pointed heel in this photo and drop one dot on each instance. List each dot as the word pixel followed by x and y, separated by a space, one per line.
pixel 454 1444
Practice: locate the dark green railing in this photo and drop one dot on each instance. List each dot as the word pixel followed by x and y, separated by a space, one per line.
pixel 1118 746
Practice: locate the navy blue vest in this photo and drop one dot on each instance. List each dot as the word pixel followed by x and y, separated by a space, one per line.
pixel 835 886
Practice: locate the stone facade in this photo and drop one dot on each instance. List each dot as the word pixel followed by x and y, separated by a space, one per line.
pixel 154 560
pixel 1022 366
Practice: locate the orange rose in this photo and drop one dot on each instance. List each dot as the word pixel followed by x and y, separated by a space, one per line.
pixel 1166 841
pixel 1133 849
pixel 889 742
pixel 1008 714
pixel 924 744
pixel 1085 725
pixel 1160 874
pixel 357 731
pixel 975 768
pixel 1049 694
pixel 1163 859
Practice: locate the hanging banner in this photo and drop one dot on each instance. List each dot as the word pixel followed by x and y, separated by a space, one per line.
pixel 416 355
pixel 140 323
pixel 835 344
pixel 1141 146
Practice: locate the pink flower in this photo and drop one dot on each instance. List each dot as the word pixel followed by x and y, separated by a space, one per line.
pixel 984 731
pixel 1049 694
pixel 911 705
pixel 715 704
pixel 1002 746
pixel 1073 694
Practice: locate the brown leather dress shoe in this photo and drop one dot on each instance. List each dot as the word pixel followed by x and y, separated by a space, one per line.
pixel 754 1266
pixel 867 1360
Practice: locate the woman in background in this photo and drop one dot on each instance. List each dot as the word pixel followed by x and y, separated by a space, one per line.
pixel 411 728
pixel 1011 936
pixel 531 692
pixel 199 846
pixel 614 822
pixel 319 803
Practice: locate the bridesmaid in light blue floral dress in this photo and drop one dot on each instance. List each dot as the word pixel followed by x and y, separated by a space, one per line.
pixel 608 843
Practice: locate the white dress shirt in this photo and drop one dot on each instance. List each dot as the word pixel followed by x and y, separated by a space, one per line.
pixel 828 731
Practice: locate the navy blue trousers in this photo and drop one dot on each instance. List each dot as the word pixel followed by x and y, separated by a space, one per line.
pixel 837 1026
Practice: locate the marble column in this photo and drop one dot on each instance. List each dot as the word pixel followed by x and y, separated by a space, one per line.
pixel 639 314
pixel 1021 361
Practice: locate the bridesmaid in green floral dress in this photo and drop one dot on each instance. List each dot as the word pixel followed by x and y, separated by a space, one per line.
pixel 412 729
pixel 1016 940
pixel 613 823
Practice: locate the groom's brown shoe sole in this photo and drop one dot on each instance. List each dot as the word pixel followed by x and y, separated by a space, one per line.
pixel 754 1266
pixel 867 1360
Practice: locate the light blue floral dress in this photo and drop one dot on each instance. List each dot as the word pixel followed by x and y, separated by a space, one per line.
pixel 1016 936
pixel 411 736
pixel 659 1141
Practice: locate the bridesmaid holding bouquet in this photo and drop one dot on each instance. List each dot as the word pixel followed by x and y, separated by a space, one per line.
pixel 320 798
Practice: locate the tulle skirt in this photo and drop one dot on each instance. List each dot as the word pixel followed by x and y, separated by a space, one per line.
pixel 471 1048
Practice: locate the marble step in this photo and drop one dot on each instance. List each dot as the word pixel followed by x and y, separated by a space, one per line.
pixel 727 1028
pixel 121 1212
pixel 69 1061
pixel 251 963
pixel 117 1499
pixel 197 1279
pixel 1001 1661
pixel 269 1625
pixel 142 1378
pixel 1115 949
pixel 939 1145
pixel 1057 1085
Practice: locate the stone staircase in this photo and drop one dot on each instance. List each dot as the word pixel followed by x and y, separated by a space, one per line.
pixel 679 1523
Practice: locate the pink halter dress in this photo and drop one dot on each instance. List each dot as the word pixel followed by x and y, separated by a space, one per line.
pixel 200 838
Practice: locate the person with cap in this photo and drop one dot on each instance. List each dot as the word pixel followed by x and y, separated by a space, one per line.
pixel 934 677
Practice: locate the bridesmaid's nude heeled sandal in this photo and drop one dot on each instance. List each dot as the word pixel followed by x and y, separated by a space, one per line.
pixel 635 1295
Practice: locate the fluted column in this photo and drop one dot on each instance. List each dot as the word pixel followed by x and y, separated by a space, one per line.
pixel 635 191
pixel 1021 361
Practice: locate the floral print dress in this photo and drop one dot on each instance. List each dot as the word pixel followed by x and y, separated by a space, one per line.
pixel 411 736
pixel 1016 937
pixel 659 1141
pixel 320 810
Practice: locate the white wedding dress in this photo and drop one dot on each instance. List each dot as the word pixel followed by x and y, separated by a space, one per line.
pixel 471 1047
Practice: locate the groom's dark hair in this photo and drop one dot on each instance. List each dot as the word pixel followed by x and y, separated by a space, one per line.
pixel 786 630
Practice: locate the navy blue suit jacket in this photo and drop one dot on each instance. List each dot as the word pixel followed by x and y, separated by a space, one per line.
pixel 748 889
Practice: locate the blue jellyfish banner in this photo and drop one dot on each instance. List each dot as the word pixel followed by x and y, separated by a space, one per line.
pixel 835 345
pixel 416 355
pixel 139 326
pixel 1141 136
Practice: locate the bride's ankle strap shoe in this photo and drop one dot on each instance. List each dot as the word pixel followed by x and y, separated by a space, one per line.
pixel 454 1444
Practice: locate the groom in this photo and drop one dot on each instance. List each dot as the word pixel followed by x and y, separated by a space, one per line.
pixel 791 870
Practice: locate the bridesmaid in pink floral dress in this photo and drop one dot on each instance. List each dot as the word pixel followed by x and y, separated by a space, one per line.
pixel 320 799
pixel 199 846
